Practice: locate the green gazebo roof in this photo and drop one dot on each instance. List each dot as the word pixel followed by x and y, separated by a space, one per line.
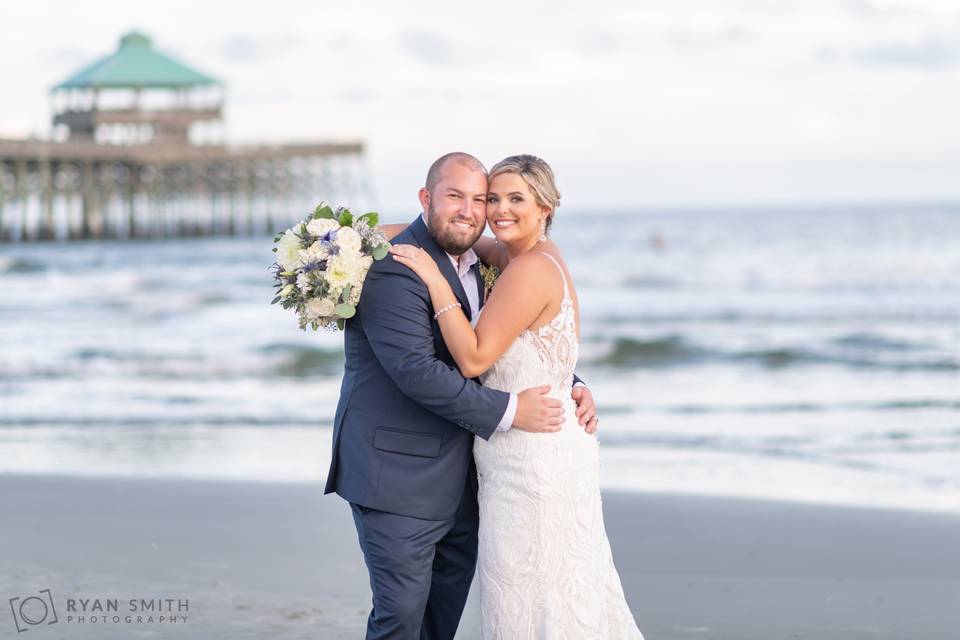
pixel 136 64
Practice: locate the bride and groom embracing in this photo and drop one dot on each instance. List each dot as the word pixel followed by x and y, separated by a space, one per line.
pixel 463 441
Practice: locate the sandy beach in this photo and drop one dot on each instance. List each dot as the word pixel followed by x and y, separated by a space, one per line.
pixel 272 560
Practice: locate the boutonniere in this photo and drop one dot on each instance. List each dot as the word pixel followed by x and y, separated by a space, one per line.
pixel 489 273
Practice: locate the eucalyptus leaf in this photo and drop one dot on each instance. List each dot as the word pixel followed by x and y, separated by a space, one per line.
pixel 381 252
pixel 346 293
pixel 323 212
pixel 341 323
pixel 345 310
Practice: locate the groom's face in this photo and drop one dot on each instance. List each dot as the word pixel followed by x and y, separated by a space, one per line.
pixel 456 208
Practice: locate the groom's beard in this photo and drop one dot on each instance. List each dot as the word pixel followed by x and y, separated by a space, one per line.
pixel 449 238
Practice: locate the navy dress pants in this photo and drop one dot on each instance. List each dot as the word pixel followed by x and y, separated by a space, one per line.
pixel 420 570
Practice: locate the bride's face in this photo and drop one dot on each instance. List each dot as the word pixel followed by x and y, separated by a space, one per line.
pixel 512 210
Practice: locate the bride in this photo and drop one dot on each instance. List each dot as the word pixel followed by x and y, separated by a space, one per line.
pixel 545 565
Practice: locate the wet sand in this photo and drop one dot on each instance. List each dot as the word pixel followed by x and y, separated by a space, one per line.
pixel 271 560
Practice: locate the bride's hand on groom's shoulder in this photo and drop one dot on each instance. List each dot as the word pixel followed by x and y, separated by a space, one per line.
pixel 419 261
pixel 586 408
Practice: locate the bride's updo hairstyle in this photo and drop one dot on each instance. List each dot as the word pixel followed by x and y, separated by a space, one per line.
pixel 539 178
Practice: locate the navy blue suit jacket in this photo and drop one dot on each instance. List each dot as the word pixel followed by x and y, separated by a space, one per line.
pixel 404 427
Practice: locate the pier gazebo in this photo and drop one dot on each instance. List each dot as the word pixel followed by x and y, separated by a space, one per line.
pixel 138 149
pixel 112 96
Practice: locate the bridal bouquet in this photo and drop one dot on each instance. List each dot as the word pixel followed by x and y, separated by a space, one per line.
pixel 322 262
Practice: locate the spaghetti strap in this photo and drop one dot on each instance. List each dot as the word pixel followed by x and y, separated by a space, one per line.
pixel 566 291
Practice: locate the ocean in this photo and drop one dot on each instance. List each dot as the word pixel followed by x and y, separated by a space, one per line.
pixel 808 353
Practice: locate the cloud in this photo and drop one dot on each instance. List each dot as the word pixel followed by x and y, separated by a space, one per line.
pixel 930 53
pixel 727 36
pixel 874 9
pixel 359 94
pixel 600 41
pixel 66 56
pixel 431 48
pixel 684 39
pixel 247 48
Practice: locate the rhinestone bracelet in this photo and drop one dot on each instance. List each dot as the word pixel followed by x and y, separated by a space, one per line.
pixel 445 309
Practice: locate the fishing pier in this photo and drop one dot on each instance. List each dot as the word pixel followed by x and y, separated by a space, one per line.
pixel 137 150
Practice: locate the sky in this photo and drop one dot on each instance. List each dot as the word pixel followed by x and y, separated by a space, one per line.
pixel 635 104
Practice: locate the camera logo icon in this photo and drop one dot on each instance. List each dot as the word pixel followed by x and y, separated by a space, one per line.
pixel 33 610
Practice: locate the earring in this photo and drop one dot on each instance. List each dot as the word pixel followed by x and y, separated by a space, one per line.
pixel 543 230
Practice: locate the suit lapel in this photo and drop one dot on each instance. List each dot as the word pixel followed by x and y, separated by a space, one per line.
pixel 422 234
pixel 476 274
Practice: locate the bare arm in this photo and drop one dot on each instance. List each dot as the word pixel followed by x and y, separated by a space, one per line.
pixel 491 252
pixel 520 297
pixel 516 302
pixel 393 230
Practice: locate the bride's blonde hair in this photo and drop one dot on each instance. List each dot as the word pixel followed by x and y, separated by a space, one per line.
pixel 537 174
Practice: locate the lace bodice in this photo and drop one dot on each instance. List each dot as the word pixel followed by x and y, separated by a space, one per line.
pixel 547 355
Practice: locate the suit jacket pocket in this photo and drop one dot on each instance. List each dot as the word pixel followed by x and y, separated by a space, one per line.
pixel 408 442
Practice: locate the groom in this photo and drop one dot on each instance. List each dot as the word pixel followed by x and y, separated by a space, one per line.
pixel 404 427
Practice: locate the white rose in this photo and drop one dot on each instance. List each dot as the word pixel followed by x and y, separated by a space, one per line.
pixel 349 240
pixel 363 264
pixel 340 271
pixel 360 271
pixel 314 253
pixel 319 308
pixel 320 226
pixel 288 251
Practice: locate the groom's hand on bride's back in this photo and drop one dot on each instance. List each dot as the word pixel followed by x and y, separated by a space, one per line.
pixel 537 412
pixel 586 408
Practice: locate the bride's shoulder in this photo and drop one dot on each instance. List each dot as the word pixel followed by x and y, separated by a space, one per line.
pixel 533 267
pixel 529 260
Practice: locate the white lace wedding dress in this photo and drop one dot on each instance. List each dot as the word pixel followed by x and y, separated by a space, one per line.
pixel 545 567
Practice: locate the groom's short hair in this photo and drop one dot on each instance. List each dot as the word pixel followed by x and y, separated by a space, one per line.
pixel 433 174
